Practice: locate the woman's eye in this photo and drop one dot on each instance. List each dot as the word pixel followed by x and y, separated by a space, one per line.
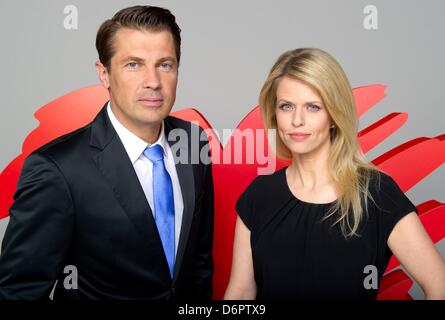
pixel 313 107
pixel 285 106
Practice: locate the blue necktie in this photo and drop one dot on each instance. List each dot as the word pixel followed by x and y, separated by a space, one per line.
pixel 163 203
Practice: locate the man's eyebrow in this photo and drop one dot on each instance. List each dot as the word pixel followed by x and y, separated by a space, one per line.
pixel 168 58
pixel 132 58
pixel 140 60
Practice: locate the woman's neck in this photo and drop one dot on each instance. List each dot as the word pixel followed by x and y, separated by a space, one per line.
pixel 309 179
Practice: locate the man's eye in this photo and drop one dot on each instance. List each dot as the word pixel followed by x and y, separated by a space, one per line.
pixel 313 107
pixel 166 66
pixel 132 65
pixel 285 106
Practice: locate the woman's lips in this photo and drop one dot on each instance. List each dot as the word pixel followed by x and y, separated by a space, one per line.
pixel 298 136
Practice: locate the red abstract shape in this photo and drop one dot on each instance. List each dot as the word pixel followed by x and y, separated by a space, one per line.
pixel 427 205
pixel 379 131
pixel 225 173
pixel 395 286
pixel 79 108
pixel 426 153
pixel 368 96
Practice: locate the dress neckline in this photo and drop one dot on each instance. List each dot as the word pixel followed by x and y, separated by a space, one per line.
pixel 284 179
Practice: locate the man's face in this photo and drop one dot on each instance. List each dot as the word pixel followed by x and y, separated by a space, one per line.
pixel 142 78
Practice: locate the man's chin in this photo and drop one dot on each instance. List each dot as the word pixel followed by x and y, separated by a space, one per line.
pixel 153 116
pixel 153 121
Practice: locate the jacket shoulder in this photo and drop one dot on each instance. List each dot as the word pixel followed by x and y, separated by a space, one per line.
pixel 67 143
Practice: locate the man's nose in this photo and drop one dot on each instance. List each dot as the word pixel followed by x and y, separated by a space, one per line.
pixel 151 79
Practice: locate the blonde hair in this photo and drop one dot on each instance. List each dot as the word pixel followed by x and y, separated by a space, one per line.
pixel 350 172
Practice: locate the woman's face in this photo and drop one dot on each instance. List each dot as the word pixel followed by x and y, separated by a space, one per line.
pixel 303 122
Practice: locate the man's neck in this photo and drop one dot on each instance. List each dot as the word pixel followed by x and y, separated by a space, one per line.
pixel 147 132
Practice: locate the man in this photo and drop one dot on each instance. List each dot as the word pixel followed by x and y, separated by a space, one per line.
pixel 112 200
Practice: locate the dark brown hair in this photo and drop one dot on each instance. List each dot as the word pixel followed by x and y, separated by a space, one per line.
pixel 146 18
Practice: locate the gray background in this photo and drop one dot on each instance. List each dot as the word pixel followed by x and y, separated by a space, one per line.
pixel 228 48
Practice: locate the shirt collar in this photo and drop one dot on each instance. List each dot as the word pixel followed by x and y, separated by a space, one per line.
pixel 134 145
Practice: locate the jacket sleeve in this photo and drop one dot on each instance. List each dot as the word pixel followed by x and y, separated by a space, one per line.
pixel 204 258
pixel 39 233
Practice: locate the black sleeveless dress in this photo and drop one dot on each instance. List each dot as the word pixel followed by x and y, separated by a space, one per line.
pixel 299 255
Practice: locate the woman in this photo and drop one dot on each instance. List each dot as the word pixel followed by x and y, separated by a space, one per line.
pixel 325 226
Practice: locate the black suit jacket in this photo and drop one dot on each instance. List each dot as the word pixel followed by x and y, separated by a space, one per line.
pixel 79 203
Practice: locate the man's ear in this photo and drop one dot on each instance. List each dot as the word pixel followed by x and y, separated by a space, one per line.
pixel 102 72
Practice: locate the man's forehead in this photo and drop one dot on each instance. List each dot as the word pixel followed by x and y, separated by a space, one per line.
pixel 139 43
pixel 140 36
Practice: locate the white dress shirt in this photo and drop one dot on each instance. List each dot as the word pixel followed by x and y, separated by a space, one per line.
pixel 143 167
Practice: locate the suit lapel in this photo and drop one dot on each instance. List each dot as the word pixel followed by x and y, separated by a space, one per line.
pixel 187 183
pixel 115 165
pixel 113 162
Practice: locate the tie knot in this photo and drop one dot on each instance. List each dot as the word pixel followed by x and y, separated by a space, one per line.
pixel 154 153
